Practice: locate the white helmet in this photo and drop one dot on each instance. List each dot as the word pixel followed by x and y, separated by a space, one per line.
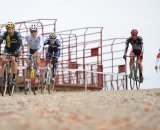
pixel 33 28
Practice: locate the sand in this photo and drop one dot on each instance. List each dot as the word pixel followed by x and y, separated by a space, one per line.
pixel 120 110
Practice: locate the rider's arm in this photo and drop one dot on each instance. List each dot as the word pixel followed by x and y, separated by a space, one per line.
pixel 1 38
pixel 57 53
pixel 41 44
pixel 141 40
pixel 126 47
pixel 46 42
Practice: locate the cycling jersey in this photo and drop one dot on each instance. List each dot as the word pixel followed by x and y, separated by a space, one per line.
pixel 56 47
pixel 13 43
pixel 34 43
pixel 158 55
pixel 137 45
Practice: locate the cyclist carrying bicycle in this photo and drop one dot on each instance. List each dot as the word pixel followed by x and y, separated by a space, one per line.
pixel 35 45
pixel 157 65
pixel 137 50
pixel 54 47
pixel 13 41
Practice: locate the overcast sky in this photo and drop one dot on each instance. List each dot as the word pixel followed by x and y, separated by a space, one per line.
pixel 117 17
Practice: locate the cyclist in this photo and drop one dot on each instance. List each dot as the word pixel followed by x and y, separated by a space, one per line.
pixel 157 65
pixel 35 45
pixel 137 50
pixel 54 46
pixel 13 41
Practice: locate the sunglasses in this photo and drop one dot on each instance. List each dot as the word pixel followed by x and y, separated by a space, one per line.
pixel 33 31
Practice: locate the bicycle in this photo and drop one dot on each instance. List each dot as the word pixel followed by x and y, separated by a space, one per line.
pixel 47 75
pixel 7 84
pixel 31 73
pixel 134 74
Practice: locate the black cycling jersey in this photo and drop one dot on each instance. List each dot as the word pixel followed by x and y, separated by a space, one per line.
pixel 12 43
pixel 53 48
pixel 137 45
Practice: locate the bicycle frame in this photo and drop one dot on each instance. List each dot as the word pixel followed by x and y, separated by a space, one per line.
pixel 31 74
pixel 136 67
pixel 134 77
pixel 47 77
pixel 7 72
pixel 32 71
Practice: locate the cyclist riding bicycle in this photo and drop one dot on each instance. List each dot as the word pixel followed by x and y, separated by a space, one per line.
pixel 35 45
pixel 54 46
pixel 157 65
pixel 137 50
pixel 13 41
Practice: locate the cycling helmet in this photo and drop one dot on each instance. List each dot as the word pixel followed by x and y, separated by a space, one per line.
pixel 33 28
pixel 10 25
pixel 134 31
pixel 52 36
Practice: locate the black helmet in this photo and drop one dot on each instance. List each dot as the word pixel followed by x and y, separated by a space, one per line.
pixel 134 31
pixel 52 36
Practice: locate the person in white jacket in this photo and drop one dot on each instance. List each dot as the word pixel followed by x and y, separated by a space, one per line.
pixel 35 45
pixel 157 65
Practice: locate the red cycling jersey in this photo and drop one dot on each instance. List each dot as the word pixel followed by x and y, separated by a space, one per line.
pixel 158 55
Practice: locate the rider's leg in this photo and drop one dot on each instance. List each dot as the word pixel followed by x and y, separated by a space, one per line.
pixel 28 67
pixel 54 70
pixel 38 54
pixel 131 62
pixel 55 61
pixel 14 67
pixel 140 69
pixel 131 59
pixel 3 63
pixel 38 59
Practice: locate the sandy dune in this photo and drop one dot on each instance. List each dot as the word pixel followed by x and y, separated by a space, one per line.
pixel 121 110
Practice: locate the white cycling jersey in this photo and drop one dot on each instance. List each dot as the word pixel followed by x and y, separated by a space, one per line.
pixel 34 43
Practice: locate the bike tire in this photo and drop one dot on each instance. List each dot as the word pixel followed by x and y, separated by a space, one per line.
pixel 33 86
pixel 4 86
pixel 138 81
pixel 51 88
pixel 11 89
pixel 44 88
pixel 44 82
pixel 27 88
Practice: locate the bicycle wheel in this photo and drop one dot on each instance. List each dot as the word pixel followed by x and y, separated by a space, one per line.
pixel 27 87
pixel 4 83
pixel 4 86
pixel 138 79
pixel 132 78
pixel 33 86
pixel 44 82
pixel 51 87
pixel 11 87
pixel 50 83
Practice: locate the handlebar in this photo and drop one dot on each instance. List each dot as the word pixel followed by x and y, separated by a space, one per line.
pixel 7 54
pixel 133 56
